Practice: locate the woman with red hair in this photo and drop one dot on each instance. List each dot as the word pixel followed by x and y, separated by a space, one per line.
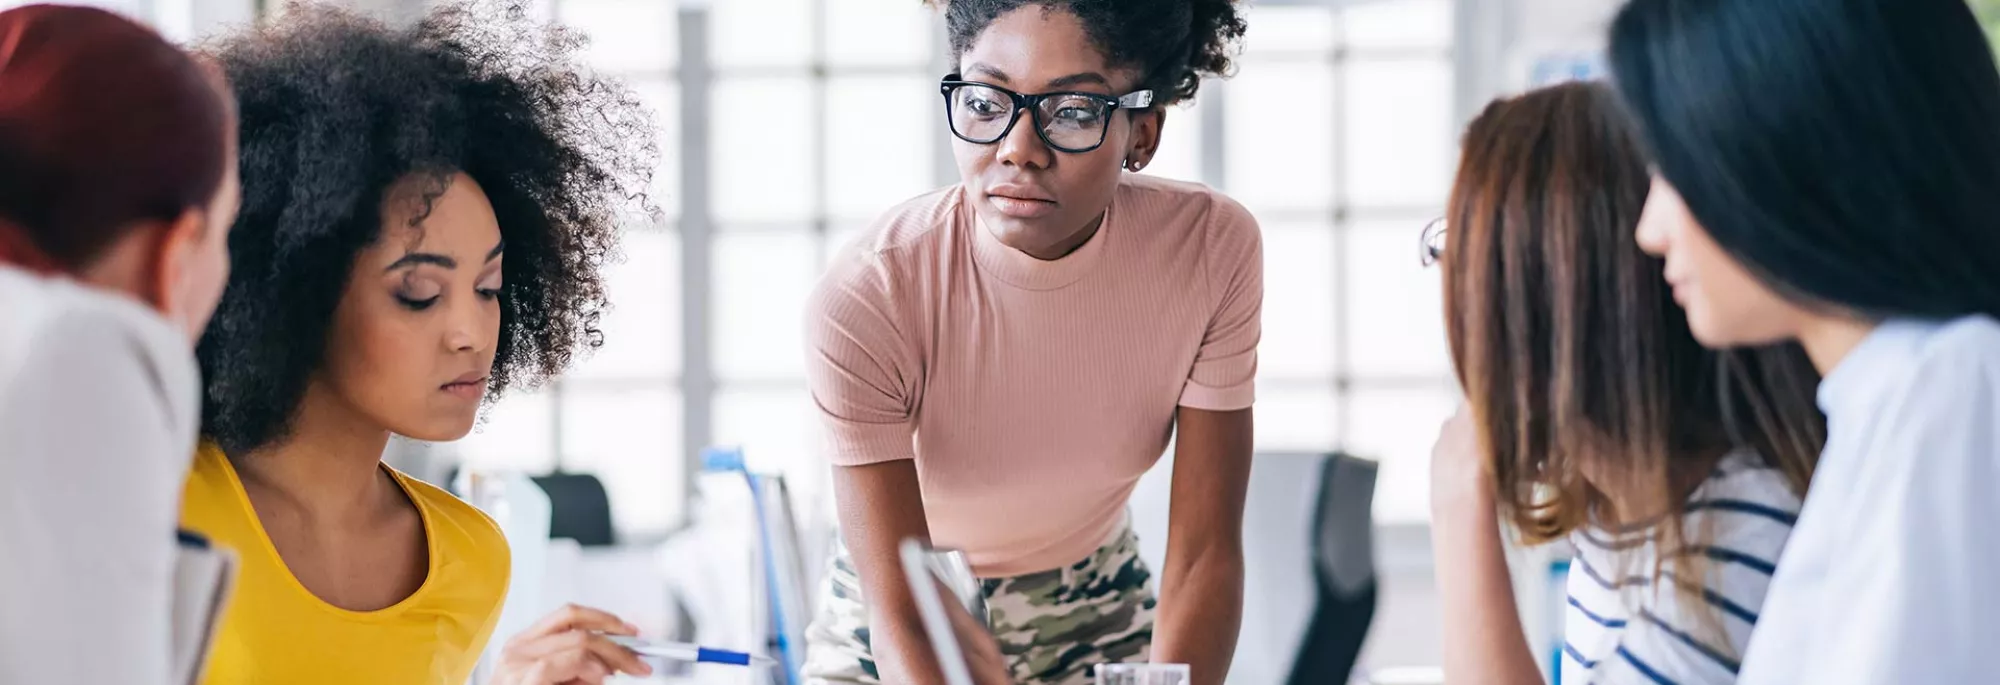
pixel 117 184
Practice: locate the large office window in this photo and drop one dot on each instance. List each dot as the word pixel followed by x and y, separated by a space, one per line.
pixel 810 117
pixel 817 115
pixel 816 118
pixel 1338 135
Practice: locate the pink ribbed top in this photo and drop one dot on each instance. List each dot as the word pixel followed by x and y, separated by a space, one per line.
pixel 1033 394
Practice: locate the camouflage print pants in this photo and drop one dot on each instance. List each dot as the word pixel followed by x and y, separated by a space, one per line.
pixel 1054 627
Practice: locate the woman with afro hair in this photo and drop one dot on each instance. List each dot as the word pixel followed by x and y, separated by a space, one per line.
pixel 996 363
pixel 425 212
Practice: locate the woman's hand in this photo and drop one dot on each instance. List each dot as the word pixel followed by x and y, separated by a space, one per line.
pixel 1459 473
pixel 982 652
pixel 568 647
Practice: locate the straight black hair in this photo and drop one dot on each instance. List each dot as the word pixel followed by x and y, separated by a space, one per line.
pixel 1846 151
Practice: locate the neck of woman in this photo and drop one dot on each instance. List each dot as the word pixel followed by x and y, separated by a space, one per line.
pixel 1827 338
pixel 329 465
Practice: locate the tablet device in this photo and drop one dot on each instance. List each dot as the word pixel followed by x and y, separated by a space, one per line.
pixel 926 586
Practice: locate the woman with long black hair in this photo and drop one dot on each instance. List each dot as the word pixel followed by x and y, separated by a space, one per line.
pixel 1828 171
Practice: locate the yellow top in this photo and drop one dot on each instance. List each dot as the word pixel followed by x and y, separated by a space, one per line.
pixel 276 631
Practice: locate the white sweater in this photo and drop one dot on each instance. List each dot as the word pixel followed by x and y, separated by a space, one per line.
pixel 99 404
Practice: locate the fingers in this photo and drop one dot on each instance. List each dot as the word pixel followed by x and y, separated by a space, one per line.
pixel 566 646
pixel 575 617
pixel 618 658
pixel 568 653
pixel 565 667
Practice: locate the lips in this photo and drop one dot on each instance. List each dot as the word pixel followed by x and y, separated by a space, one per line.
pixel 1020 191
pixel 1021 201
pixel 472 385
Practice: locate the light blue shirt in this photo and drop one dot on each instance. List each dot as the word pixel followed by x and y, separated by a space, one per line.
pixel 1893 572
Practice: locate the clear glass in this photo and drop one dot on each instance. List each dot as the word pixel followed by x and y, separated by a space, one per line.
pixel 630 438
pixel 760 159
pixel 517 433
pixel 762 282
pixel 776 428
pixel 642 330
pixel 1396 425
pixel 881 136
pixel 1142 674
pixel 1400 139
pixel 1299 307
pixel 1277 147
pixel 1179 157
pixel 626 36
pixel 1301 415
pixel 1397 25
pixel 1289 29
pixel 880 33
pixel 762 33
pixel 1394 306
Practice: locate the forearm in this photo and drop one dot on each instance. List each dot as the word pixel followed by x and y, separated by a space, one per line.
pixel 891 634
pixel 1483 638
pixel 880 506
pixel 1201 610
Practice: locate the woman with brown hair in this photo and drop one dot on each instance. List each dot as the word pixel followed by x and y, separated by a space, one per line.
pixel 1592 413
pixel 117 189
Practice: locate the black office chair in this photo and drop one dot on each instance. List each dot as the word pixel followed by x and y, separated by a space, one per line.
pixel 579 508
pixel 1344 573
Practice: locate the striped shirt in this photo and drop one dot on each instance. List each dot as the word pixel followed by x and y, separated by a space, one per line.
pixel 1623 626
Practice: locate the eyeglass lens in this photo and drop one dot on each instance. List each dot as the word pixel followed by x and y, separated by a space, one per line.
pixel 1433 242
pixel 981 114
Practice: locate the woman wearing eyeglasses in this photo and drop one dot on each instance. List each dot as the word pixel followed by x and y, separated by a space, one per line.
pixel 1592 414
pixel 998 362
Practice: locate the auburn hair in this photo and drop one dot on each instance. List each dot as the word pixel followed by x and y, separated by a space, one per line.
pixel 1588 390
pixel 105 128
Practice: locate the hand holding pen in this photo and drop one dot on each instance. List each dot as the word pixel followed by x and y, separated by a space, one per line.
pixel 574 645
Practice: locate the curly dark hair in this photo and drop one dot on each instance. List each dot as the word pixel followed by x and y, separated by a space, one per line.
pixel 337 110
pixel 1171 42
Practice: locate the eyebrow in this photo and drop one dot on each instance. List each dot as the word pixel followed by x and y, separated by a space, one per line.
pixel 434 259
pixel 1088 77
pixel 989 71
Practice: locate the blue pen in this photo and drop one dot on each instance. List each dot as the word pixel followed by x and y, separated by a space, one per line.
pixel 682 651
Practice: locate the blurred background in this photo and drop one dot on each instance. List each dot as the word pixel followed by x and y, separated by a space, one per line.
pixel 787 125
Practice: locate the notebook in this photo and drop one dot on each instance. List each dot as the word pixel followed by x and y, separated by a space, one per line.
pixel 203 576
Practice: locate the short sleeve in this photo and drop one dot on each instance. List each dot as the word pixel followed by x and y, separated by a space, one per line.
pixel 862 373
pixel 1740 520
pixel 1225 367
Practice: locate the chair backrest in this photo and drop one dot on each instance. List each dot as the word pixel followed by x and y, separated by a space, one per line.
pixel 580 509
pixel 1282 527
pixel 1344 572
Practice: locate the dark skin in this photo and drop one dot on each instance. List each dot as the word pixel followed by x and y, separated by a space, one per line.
pixel 413 342
pixel 1035 51
pixel 1201 606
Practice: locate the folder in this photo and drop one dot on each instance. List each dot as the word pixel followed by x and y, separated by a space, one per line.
pixel 203 577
